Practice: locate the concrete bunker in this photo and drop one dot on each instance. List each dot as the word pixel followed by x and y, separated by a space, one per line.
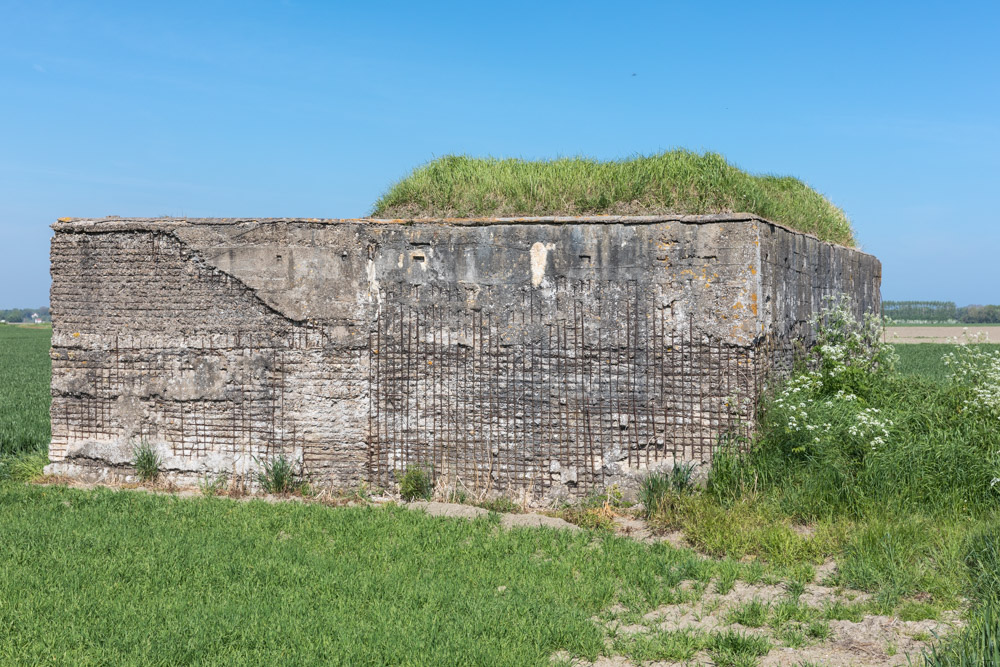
pixel 551 355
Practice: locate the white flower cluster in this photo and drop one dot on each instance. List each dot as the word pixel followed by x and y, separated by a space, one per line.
pixel 871 426
pixel 797 395
pixel 979 370
pixel 843 341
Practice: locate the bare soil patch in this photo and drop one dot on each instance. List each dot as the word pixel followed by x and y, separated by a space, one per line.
pixel 871 640
pixel 932 334
pixel 525 520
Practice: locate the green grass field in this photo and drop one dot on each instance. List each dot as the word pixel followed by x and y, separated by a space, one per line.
pixel 24 388
pixel 925 359
pixel 678 182
pixel 99 577
pixel 108 577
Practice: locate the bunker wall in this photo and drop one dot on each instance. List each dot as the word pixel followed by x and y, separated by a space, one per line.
pixel 533 355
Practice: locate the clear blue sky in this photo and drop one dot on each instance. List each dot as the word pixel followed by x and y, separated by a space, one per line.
pixel 314 108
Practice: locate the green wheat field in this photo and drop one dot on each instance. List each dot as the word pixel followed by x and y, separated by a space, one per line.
pixel 129 577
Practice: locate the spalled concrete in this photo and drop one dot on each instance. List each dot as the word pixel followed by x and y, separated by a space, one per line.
pixel 550 355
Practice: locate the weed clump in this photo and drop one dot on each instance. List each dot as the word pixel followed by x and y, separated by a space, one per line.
pixel 416 483
pixel 23 467
pixel 657 488
pixel 212 485
pixel 501 504
pixel 597 511
pixel 146 461
pixel 982 558
pixel 751 614
pixel 732 649
pixel 278 476
pixel 975 646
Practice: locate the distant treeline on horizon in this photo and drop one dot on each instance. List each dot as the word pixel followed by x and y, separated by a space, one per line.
pixel 24 314
pixel 940 311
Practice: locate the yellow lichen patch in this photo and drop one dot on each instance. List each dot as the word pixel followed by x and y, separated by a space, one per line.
pixel 65 219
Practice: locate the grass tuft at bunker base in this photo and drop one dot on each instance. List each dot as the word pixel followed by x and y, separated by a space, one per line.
pixel 674 182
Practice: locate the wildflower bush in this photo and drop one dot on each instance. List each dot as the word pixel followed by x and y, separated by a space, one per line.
pixel 893 469
pixel 976 370
pixel 847 432
pixel 828 404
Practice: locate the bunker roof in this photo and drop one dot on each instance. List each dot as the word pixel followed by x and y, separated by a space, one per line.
pixel 166 223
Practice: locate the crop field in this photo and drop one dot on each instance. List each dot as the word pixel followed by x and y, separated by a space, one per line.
pixel 862 525
pixel 24 388
pixel 926 360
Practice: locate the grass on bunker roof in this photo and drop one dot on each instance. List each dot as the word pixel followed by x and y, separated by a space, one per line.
pixel 673 182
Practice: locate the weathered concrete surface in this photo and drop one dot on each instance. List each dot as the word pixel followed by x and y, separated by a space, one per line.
pixel 549 354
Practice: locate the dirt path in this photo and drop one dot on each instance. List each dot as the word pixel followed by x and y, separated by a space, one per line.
pixel 525 520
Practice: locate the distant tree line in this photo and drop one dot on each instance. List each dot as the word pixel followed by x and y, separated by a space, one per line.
pixel 940 311
pixel 920 311
pixel 24 314
pixel 974 314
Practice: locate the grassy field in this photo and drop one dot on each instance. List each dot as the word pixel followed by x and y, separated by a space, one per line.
pixel 127 577
pixel 96 577
pixel 679 182
pixel 925 360
pixel 24 390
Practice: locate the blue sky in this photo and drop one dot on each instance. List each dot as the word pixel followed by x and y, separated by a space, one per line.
pixel 315 108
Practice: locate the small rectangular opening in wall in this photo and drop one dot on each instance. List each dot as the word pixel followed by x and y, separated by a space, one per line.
pixel 418 258
pixel 585 258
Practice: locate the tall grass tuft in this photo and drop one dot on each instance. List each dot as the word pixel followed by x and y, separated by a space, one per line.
pixel 674 182
pixel 278 476
pixel 657 488
pixel 146 461
pixel 23 467
pixel 416 483
pixel 978 645
pixel 982 558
